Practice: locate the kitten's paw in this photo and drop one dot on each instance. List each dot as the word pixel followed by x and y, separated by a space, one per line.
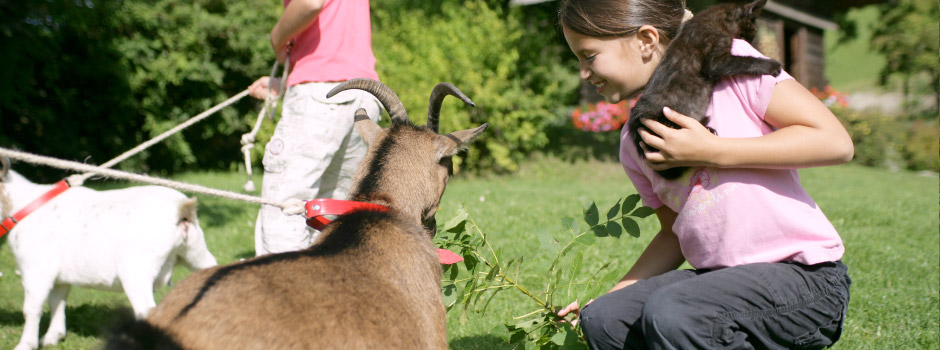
pixel 772 67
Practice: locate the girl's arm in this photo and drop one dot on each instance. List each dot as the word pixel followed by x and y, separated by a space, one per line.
pixel 660 256
pixel 298 15
pixel 807 135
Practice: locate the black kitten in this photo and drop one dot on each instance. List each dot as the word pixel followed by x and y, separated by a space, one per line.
pixel 699 57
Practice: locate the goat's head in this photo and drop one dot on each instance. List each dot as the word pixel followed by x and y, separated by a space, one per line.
pixel 407 166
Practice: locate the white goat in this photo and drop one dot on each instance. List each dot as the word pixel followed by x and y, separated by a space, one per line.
pixel 126 239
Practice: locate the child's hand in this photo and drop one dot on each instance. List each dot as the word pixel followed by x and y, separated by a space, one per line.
pixel 690 146
pixel 259 89
pixel 573 309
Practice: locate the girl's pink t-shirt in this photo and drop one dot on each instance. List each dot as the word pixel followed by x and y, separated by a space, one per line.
pixel 728 217
pixel 336 47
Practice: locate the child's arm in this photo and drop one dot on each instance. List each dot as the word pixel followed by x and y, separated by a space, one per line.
pixel 298 15
pixel 661 255
pixel 807 135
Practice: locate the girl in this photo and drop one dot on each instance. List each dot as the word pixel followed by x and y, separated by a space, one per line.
pixel 767 262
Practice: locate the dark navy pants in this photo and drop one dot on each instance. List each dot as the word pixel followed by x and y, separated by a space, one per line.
pixel 753 306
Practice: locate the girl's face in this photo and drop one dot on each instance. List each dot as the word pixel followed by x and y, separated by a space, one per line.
pixel 620 66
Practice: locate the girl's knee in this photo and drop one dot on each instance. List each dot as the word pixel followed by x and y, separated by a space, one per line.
pixel 602 327
pixel 592 321
pixel 670 317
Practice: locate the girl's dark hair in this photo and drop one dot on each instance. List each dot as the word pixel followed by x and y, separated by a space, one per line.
pixel 606 18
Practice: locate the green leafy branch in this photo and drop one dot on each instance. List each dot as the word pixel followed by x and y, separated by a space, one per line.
pixel 485 272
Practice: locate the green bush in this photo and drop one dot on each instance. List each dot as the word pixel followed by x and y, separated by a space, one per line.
pixel 479 47
pixel 922 149
pixel 87 81
pixel 892 142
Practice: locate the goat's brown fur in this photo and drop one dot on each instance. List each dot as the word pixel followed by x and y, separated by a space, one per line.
pixel 372 280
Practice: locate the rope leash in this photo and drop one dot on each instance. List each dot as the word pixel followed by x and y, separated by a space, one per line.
pixel 290 207
pixel 78 180
pixel 270 105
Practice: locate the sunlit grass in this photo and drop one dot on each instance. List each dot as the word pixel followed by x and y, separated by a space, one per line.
pixel 889 222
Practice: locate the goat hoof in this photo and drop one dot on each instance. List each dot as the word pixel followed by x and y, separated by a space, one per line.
pixel 22 346
pixel 52 338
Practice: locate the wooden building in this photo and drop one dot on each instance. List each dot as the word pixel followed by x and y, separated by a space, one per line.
pixel 792 33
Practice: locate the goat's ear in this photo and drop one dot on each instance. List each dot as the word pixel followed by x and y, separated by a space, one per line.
pixel 456 141
pixel 366 128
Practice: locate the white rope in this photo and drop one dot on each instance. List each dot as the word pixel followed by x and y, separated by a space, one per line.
pixel 291 207
pixel 78 180
pixel 270 105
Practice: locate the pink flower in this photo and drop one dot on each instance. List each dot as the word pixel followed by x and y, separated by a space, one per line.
pixel 602 116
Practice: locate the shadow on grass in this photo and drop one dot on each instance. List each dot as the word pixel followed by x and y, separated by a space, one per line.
pixel 247 254
pixel 217 213
pixel 88 320
pixel 479 342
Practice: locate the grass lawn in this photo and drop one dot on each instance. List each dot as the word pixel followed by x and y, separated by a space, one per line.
pixel 852 66
pixel 889 222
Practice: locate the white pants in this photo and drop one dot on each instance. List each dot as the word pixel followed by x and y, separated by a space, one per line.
pixel 313 153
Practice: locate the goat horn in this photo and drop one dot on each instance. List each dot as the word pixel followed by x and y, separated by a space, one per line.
pixel 440 91
pixel 385 95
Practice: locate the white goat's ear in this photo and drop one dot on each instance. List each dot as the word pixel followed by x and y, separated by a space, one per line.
pixel 456 141
pixel 366 128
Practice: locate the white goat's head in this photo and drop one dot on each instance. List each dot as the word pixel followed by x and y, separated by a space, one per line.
pixel 407 166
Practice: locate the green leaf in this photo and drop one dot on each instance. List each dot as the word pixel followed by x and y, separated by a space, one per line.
pixel 501 332
pixel 591 214
pixel 643 212
pixel 547 240
pixel 570 224
pixel 613 228
pixel 470 262
pixel 600 231
pixel 630 202
pixel 452 271
pixel 614 210
pixel 526 324
pixel 461 217
pixel 559 338
pixel 631 226
pixel 450 295
pixel 585 239
pixel 517 335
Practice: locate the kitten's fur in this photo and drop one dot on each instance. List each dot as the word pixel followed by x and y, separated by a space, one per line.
pixel 699 57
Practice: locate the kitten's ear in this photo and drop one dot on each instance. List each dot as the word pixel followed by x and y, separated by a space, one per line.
pixel 755 7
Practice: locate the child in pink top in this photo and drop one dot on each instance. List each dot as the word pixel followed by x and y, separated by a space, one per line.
pixel 314 151
pixel 734 216
pixel 767 262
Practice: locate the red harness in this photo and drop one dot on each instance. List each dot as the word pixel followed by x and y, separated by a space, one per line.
pixel 320 207
pixel 9 222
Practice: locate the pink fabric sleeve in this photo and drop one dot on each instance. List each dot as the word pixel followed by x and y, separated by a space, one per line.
pixel 642 183
pixel 757 90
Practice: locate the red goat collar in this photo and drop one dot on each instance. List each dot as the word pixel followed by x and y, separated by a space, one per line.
pixel 320 207
pixel 9 222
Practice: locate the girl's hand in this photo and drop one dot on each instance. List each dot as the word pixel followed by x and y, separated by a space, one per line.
pixel 689 146
pixel 574 309
pixel 259 89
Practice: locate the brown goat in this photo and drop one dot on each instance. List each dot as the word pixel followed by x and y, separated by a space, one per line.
pixel 372 280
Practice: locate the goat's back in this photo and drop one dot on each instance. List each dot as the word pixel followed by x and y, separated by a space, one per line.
pixel 372 282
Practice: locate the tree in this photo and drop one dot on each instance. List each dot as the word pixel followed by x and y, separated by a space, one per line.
pixel 908 36
pixel 89 79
